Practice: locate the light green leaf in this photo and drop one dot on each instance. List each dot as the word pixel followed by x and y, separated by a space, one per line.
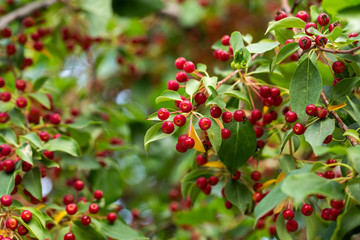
pixel 41 98
pixel 318 131
pixel 261 47
pixel 236 41
pixel 286 51
pixel 63 144
pixel 289 22
pixel 25 153
pixel 192 86
pixel 168 95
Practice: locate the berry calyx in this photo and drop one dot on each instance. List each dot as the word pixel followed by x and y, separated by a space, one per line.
pixel 291 117
pixel 12 223
pixel 321 41
pixel 307 209
pixel 94 208
pixel 338 67
pixel 323 19
pixel 167 127
pixel 304 43
pixel 163 114
pixel 298 128
pixel 333 25
pixel 85 220
pixel 204 123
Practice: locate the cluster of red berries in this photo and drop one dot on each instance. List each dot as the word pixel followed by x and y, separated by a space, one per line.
pixel 72 37
pixel 270 96
pixel 223 55
pixel 205 184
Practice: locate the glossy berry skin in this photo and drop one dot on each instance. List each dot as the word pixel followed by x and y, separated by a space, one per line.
pixel 325 214
pixel 274 92
pixel 338 67
pixel 215 112
pixel 85 220
pixel 307 209
pixel 6 200
pixel 22 230
pixel 338 204
pixel 71 208
pixel 256 175
pixel 311 110
pixel 20 85
pixel 298 128
pixel 204 123
pixel 322 113
pixel 224 56
pixel 289 41
pixel 26 216
pixel 239 115
pixel 8 165
pixel 181 77
pixel 329 174
pixel 179 63
pixel 173 85
pixel 49 154
pixel 225 133
pixel 94 208
pixel 291 117
pixel 201 182
pixel 5 96
pixel 225 40
pixel 256 115
pixel 111 217
pixel 264 91
pixel 98 194
pixel 5 150
pixel 303 15
pixel 321 41
pixel 259 132
pixel 163 114
pixel 291 226
pixel 227 117
pixel 280 15
pixel 167 127
pixel 309 25
pixel 323 19
pixel 185 106
pixel 200 160
pixel 69 236
pixel 304 43
pixel 79 185
pixel 189 67
pixel 228 204
pixel 21 102
pixel 213 180
pixel 236 175
pixel 12 223
pixel 288 214
pixel 200 98
pixel 55 118
pixel 257 197
pixel 328 139
pixel 44 136
pixel 179 120
pixel 333 25
pixel 188 143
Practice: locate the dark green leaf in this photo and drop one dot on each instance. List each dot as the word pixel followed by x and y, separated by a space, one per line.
pixel 237 94
pixel 286 138
pixel 239 147
pixel 261 47
pixel 38 83
pixel 286 51
pixel 213 133
pixel 7 182
pixel 239 195
pixel 289 22
pixel 283 34
pixel 32 182
pixel 210 84
pixel 86 232
pixel 34 227
pixel 342 89
pixel 136 8
pixel 195 216
pixel 346 222
pixel 312 226
pixel 281 229
pixel 153 134
pixel 63 144
pixel 9 136
pixel 189 180
pixel 17 117
pixel 354 156
pixel 318 131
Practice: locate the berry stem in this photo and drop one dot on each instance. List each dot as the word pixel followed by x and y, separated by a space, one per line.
pixel 227 78
pixel 349 51
pixel 197 74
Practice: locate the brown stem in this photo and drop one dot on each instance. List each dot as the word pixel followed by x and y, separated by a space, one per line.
pixel 341 124
pixel 24 11
pixel 285 5
pixel 350 51
pixel 296 3
pixel 225 79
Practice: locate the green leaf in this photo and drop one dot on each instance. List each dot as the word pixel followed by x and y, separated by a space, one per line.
pixel 287 163
pixel 201 67
pixel 239 195
pixel 354 156
pixel 85 232
pixel 41 98
pixel 32 182
pixel 195 216
pixel 286 51
pixel 342 89
pixel 281 229
pixel 191 13
pixel 191 87
pixel 210 84
pixel 335 33
pixel 283 34
pixel 36 213
pixel 261 47
pixel 353 133
pixel 81 123
pixel 347 221
pixel 310 183
pixel 119 230
pixel 239 147
pixel 289 22
pixel 34 139
pixel 100 179
pixel 9 136
pixel 354 190
pixel 237 94
pixel 39 82
pixel 312 226
pixel 236 41
pixel 289 133
pixel 7 182
pixel 314 12
pixel 63 144
pixel 153 134
pixel 25 153
pixel 17 117
pixel 136 8
pixel 168 95
pixel 318 131
pixel 188 182
pixel 219 45
pixel 34 226
pixel 98 14
pixel 213 133
pixel 305 88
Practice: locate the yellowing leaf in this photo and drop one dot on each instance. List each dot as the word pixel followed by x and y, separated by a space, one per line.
pixel 221 125
pixel 280 206
pixel 280 178
pixel 267 183
pixel 198 144
pixel 59 216
pixel 336 107
pixel 40 206
pixel 47 53
pixel 214 164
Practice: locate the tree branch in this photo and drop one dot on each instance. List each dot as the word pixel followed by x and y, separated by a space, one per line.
pixel 341 124
pixel 24 11
pixel 350 51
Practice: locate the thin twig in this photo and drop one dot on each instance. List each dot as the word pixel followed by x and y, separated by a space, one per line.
pixel 296 3
pixel 349 51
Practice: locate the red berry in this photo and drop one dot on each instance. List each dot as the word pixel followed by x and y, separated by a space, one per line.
pixel 311 110
pixel 333 25
pixel 200 98
pixel 69 236
pixel 189 143
pixel 6 200
pixel 204 123
pixel 167 127
pixel 98 194
pixel 26 166
pixel 309 25
pixel 68 199
pixel 289 41
pixel 257 197
pixel 322 112
pixel 228 204
pixel 236 175
pixel 298 128
pixel 185 106
pixel 225 40
pixel 353 35
pixel 207 189
pixel 291 225
pixel 4 117
pixel 181 77
pixel 26 216
pixel 163 114
pixel 325 214
pixel 10 49
pixel 189 67
pixel 264 91
pixel 12 223
pixel 213 180
pixel 227 117
pixel 71 208
pixel 338 67
pixel 260 224
pixel 48 154
pixel 94 208
pixel 225 133
pixel 44 136
pixel 179 63
pixel 260 144
pixel 180 148
pixel 323 19
pixel 256 114
pixel 6 32
pixel 336 80
pixel 224 55
pixel 280 15
pixel 173 85
pixel 55 118
pixel 328 139
pixel 79 185
pixel 304 43
pixel 307 209
pixel 21 102
pixel 291 117
pixel 85 220
pixel 28 22
pixel 22 231
pixel 269 101
pixel 239 115
pixel 321 41
pixel 258 131
pixel 257 186
pixel 111 217
pixel 20 84
pixel 288 214
pixel 338 204
pixel 2 82
pixel 5 150
pixel 179 120
pixel 272 230
pixel 215 112
pixel 267 118
pixel 201 182
pixel 8 165
pixel 38 46
pixel 274 92
pixel 256 175
pixel 5 96
pixel 274 115
pixel 329 174
pixel 303 15
pixel 201 160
